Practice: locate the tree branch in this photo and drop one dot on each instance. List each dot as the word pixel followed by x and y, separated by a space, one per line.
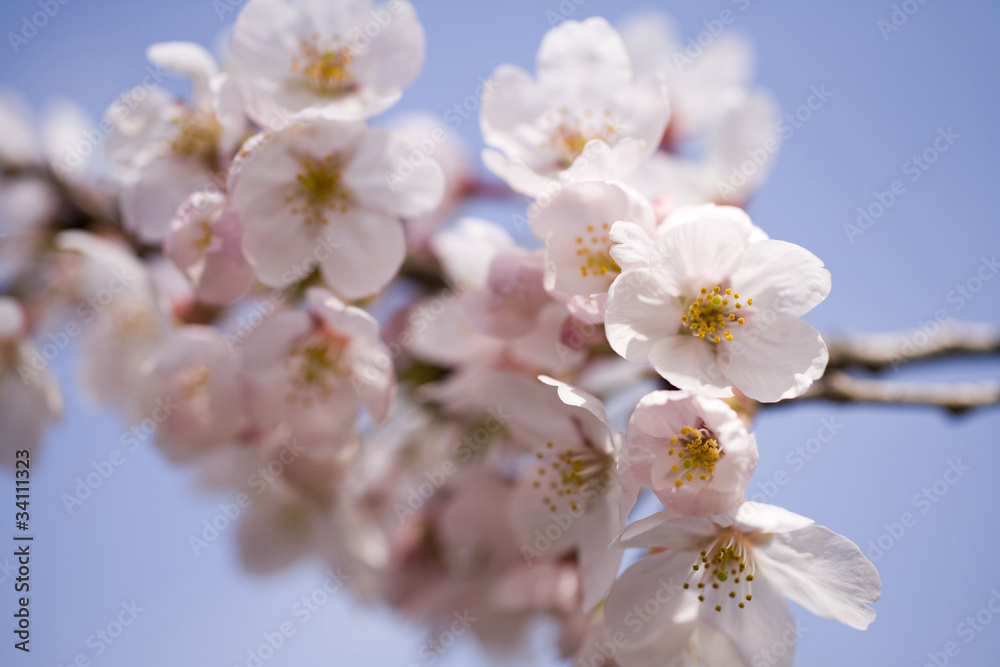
pixel 877 351
pixel 839 387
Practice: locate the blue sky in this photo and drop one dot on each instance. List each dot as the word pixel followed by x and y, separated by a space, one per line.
pixel 894 92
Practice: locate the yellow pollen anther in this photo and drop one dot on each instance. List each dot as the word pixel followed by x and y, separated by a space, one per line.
pixel 708 315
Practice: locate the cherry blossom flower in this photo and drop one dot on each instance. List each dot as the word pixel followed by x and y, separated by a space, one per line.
pixel 575 226
pixel 712 105
pixel 570 498
pixel 351 60
pixel 585 117
pixel 204 241
pixel 692 450
pixel 191 386
pixel 434 139
pixel 117 309
pixel 314 373
pixel 29 394
pixel 712 311
pixel 322 192
pixel 699 87
pixel 166 148
pixel 735 569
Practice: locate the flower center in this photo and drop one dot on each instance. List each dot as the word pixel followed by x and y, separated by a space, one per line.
pixel 568 473
pixel 315 368
pixel 569 135
pixel 592 250
pixel 326 68
pixel 726 567
pixel 714 310
pixel 197 136
pixel 194 387
pixel 698 451
pixel 319 191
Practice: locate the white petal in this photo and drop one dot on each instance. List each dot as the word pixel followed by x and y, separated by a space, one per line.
pixel 654 583
pixel 765 621
pixel 192 60
pixel 369 248
pixel 770 362
pixel 641 311
pixel 824 572
pixel 382 172
pixel 782 277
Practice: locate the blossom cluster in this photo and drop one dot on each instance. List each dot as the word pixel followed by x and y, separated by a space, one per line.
pixel 459 422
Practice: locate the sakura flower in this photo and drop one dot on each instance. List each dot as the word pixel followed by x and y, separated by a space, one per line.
pixel 321 191
pixel 351 60
pixel 434 139
pixel 712 311
pixel 585 117
pixel 569 499
pixel 167 149
pixel 635 247
pixel 315 373
pixel 191 387
pixel 29 394
pixel 575 226
pixel 700 87
pixel 734 570
pixel 713 106
pixel 118 310
pixel 692 450
pixel 204 241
